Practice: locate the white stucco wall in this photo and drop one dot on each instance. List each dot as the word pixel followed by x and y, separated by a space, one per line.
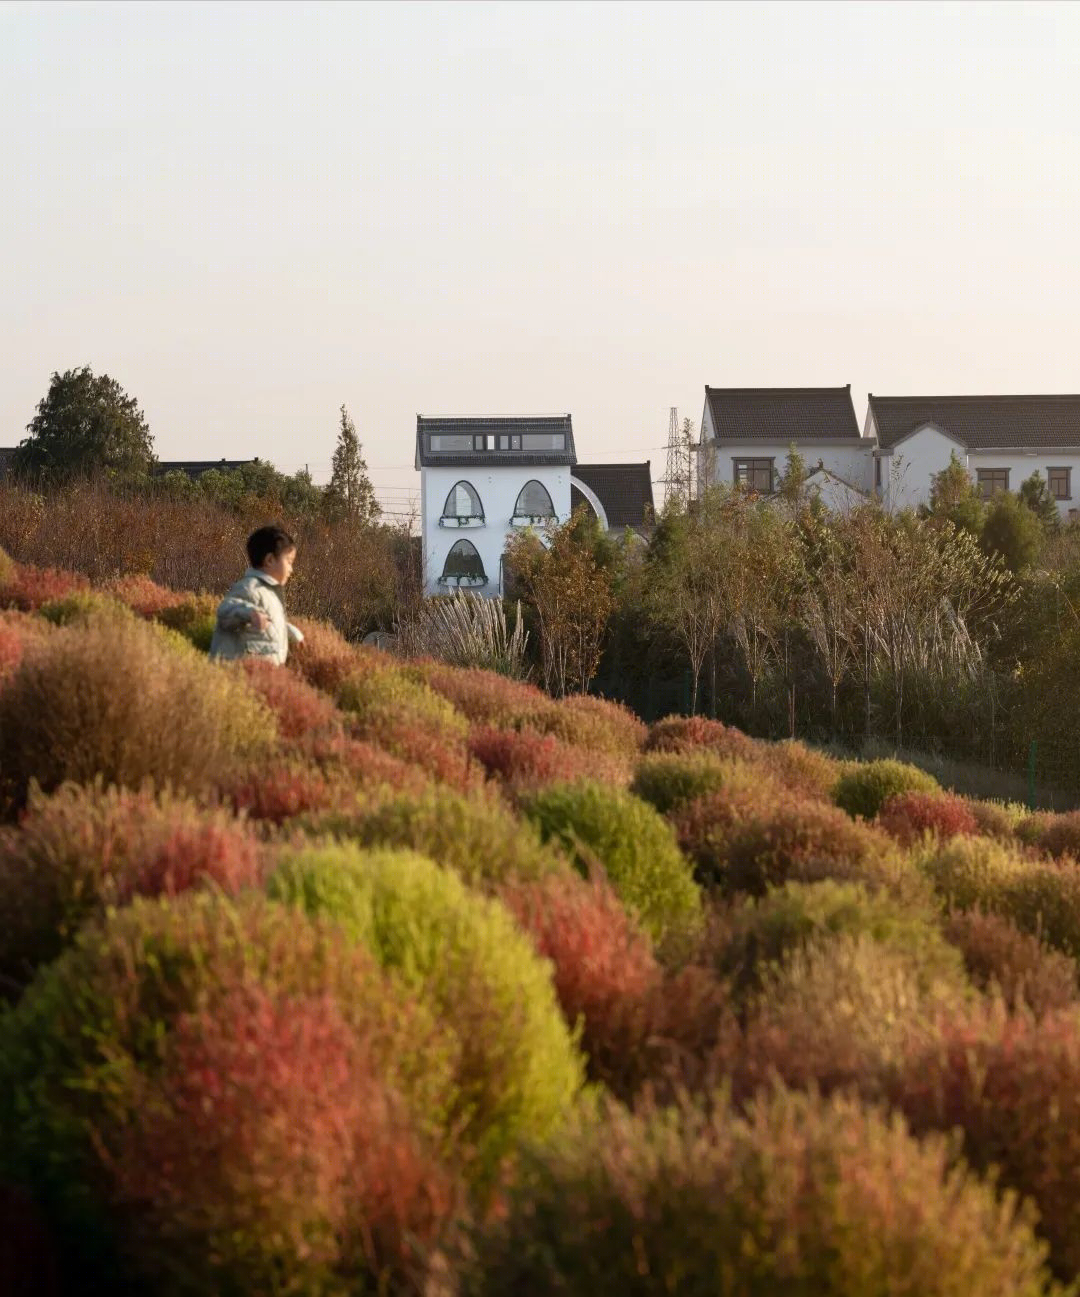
pixel 851 460
pixel 498 490
pixel 907 473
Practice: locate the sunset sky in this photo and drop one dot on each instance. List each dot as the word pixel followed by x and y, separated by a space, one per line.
pixel 250 214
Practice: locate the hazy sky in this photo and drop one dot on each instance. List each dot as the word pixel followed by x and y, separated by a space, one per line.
pixel 250 214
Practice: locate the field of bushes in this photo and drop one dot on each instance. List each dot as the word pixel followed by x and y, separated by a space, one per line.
pixel 374 975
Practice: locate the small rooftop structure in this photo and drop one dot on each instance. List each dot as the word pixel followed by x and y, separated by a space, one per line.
pixel 494 441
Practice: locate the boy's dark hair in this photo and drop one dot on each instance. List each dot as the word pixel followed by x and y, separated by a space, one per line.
pixel 266 541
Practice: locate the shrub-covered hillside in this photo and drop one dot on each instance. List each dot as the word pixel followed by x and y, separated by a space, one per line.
pixel 369 975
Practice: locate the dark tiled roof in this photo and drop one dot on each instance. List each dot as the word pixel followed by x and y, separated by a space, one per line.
pixel 197 467
pixel 981 422
pixel 625 491
pixel 494 425
pixel 783 414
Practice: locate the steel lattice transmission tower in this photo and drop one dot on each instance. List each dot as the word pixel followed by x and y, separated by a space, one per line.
pixel 674 479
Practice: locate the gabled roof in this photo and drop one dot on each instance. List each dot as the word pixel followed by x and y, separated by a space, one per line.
pixel 981 422
pixel 625 491
pixel 553 425
pixel 783 414
pixel 197 467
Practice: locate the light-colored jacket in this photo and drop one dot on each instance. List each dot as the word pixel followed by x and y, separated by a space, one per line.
pixel 236 637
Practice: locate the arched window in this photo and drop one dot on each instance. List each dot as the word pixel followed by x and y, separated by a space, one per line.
pixel 463 504
pixel 463 565
pixel 534 502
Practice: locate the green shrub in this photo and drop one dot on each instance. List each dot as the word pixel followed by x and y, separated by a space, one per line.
pixel 634 846
pixel 595 723
pixel 763 933
pixel 85 849
pixel 1040 896
pixel 478 836
pixel 113 701
pixel 669 780
pixel 379 700
pixel 865 786
pixel 803 770
pixel 466 958
pixel 194 618
pixel 93 1032
pixel 83 607
pixel 800 1196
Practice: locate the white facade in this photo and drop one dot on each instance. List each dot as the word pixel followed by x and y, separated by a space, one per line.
pixel 849 458
pixel 908 467
pixel 498 488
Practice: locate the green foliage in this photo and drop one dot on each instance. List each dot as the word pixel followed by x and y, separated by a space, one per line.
pixel 477 837
pixel 85 425
pixel 464 956
pixel 955 496
pixel 864 787
pixel 350 493
pixel 383 698
pixel 1035 493
pixel 668 780
pixel 82 608
pixel 1013 532
pixel 799 1196
pixel 194 618
pixel 633 845
pixel 764 932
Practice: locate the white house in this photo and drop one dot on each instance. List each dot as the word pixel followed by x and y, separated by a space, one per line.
pixel 747 434
pixel 484 479
pixel 1000 440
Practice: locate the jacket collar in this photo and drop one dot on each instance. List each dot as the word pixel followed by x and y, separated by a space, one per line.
pixel 265 577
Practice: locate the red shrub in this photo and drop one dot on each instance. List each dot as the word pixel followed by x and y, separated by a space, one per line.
pixel 361 763
pixel 18 630
pixel 684 733
pixel 993 820
pixel 997 953
pixel 605 970
pixel 907 816
pixel 485 697
pixel 325 657
pixel 801 769
pixel 278 791
pixel 142 595
pixel 1060 835
pixel 521 758
pixel 446 762
pixel 83 849
pixel 301 709
pixel 1011 1084
pixel 29 587
pixel 274 1146
pixel 744 842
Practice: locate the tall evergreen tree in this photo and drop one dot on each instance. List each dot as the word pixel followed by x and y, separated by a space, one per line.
pixel 85 424
pixel 350 493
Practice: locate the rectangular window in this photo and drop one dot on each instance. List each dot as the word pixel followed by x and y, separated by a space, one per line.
pixel 543 441
pixel 504 442
pixel 877 472
pixel 443 443
pixel 478 441
pixel 992 481
pixel 1059 482
pixel 755 474
pixel 515 441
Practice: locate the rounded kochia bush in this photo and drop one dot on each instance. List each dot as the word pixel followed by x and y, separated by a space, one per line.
pixel 596 724
pixel 478 837
pixel 800 1195
pixel 464 956
pixel 523 759
pixel 907 817
pixel 632 844
pixel 271 1147
pixel 1017 965
pixel 115 702
pixel 1040 896
pixel 691 733
pixel 865 786
pixel 85 848
pixel 760 934
pixel 83 1052
pixel 669 780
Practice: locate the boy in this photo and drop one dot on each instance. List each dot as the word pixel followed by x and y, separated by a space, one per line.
pixel 251 617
